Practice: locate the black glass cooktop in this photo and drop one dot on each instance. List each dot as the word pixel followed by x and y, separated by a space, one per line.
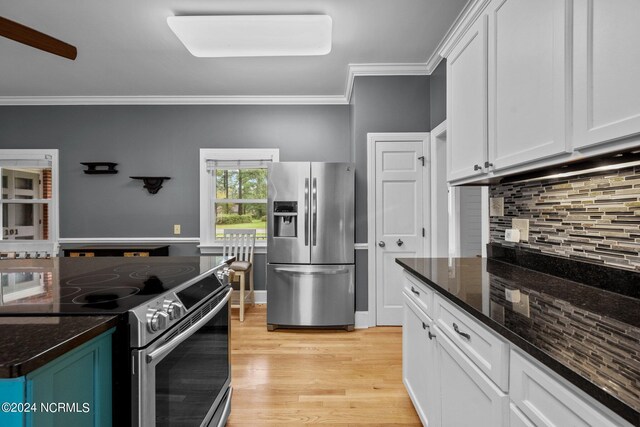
pixel 92 285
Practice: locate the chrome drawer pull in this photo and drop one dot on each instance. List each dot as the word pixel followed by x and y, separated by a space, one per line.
pixel 414 291
pixel 464 334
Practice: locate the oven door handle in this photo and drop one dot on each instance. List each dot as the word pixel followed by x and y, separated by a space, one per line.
pixel 160 352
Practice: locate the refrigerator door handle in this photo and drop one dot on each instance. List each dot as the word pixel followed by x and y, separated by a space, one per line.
pixel 314 207
pixel 306 212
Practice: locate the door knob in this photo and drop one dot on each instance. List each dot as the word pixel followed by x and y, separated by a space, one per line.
pixel 381 244
pixel 400 242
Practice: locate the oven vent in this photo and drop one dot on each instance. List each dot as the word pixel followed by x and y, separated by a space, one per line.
pixel 202 311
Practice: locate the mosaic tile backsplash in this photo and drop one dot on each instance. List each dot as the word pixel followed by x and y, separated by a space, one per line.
pixel 600 348
pixel 594 217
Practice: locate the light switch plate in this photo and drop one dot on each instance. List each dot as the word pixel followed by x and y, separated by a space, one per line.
pixel 512 235
pixel 176 229
pixel 522 225
pixel 496 206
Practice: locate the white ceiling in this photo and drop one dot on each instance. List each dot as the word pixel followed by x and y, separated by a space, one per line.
pixel 126 49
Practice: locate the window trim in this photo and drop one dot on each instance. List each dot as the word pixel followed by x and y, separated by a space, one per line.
pixel 51 245
pixel 208 243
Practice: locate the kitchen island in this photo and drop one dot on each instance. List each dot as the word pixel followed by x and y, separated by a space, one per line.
pixel 49 361
pixel 511 320
pixel 84 330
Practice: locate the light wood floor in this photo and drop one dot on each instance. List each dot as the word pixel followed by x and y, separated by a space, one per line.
pixel 330 377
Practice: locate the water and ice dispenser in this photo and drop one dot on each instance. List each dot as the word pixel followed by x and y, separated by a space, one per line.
pixel 285 219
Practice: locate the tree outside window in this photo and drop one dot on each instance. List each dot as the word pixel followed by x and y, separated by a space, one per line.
pixel 241 200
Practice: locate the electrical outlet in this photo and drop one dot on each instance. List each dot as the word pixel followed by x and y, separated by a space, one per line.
pixel 522 225
pixel 176 229
pixel 522 306
pixel 512 235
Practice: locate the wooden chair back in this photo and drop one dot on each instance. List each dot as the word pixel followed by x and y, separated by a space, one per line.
pixel 239 242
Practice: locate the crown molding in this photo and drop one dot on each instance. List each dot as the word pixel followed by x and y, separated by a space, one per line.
pixel 358 70
pixel 173 100
pixel 355 70
pixel 467 16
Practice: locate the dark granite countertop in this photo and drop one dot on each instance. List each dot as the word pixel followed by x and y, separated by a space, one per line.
pixel 27 343
pixel 589 336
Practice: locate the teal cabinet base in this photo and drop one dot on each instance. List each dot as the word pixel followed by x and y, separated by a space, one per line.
pixel 12 392
pixel 72 390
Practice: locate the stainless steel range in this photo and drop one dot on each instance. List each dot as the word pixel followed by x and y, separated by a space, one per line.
pixel 171 350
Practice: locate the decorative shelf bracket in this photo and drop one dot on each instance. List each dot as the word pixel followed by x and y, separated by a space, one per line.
pixel 100 168
pixel 153 184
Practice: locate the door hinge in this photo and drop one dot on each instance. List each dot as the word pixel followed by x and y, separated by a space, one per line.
pixel 423 232
pixel 421 158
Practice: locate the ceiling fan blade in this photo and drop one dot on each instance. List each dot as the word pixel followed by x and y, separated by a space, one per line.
pixel 25 35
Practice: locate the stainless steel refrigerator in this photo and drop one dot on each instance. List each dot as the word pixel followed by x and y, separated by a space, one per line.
pixel 310 238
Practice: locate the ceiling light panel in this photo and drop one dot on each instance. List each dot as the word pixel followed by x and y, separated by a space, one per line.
pixel 223 36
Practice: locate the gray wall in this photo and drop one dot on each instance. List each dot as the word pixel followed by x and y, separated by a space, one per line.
pixel 438 94
pixel 381 104
pixel 162 141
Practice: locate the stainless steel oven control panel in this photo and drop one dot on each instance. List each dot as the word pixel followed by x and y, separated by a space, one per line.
pixel 148 321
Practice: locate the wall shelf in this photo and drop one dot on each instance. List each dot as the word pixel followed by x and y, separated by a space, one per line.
pixel 100 168
pixel 153 184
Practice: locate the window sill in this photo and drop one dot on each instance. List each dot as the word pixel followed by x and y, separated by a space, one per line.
pixel 216 248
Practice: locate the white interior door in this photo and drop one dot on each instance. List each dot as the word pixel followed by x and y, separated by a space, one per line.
pixel 400 217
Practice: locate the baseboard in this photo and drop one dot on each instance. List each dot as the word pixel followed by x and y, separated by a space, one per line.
pixel 261 297
pixel 362 320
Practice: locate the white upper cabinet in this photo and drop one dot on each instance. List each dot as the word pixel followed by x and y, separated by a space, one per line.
pixel 534 83
pixel 467 104
pixel 606 71
pixel 528 80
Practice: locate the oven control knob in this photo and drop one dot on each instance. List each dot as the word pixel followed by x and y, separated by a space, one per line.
pixel 157 321
pixel 174 309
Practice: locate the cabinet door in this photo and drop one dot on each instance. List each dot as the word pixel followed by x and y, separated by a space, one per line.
pixel 469 398
pixel 606 70
pixel 81 379
pixel 419 372
pixel 467 103
pixel 528 76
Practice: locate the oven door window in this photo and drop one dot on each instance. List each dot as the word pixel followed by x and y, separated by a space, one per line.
pixel 189 379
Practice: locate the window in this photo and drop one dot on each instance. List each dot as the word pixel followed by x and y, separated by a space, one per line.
pixel 29 213
pixel 233 192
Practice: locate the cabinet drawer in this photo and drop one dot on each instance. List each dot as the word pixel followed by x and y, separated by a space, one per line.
pixel 547 402
pixel 487 350
pixel 420 293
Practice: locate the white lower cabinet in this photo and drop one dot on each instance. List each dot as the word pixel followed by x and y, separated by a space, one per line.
pixel 419 372
pixel 546 401
pixel 468 397
pixel 454 382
